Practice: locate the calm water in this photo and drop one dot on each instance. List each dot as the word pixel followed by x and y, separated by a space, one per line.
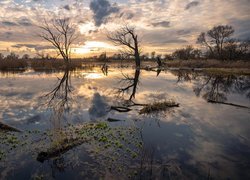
pixel 69 122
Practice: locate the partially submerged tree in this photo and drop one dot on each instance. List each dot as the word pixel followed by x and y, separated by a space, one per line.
pixel 61 34
pixel 127 37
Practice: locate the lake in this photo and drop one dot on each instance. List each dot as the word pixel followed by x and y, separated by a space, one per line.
pixel 101 123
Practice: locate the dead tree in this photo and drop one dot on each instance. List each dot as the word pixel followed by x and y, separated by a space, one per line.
pixel 126 37
pixel 61 34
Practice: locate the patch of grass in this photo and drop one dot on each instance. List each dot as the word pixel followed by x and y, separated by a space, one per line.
pixel 227 71
pixel 158 106
pixel 13 64
pixel 207 64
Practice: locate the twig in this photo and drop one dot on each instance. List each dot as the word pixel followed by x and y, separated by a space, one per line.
pixel 230 104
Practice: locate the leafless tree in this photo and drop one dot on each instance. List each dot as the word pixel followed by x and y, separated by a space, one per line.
pixel 127 37
pixel 61 34
pixel 215 38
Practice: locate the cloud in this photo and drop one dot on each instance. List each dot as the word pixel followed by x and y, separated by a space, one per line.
pixel 9 23
pixel 67 7
pixel 102 9
pixel 160 38
pixel 161 24
pixel 192 4
pixel 33 46
pixel 24 22
pixel 20 22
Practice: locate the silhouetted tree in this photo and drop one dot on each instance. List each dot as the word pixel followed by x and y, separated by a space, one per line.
pixel 103 57
pixel 61 34
pixel 25 57
pixel 168 57
pixel 187 53
pixel 244 49
pixel 153 55
pixel 12 56
pixel 230 49
pixel 127 37
pixel 1 56
pixel 215 38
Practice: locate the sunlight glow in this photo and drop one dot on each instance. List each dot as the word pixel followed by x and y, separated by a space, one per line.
pixel 86 28
pixel 92 75
pixel 93 46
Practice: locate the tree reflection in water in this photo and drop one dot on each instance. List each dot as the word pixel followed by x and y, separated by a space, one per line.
pixel 129 83
pixel 215 87
pixel 58 98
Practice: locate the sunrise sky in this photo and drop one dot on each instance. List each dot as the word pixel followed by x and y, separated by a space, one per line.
pixel 162 25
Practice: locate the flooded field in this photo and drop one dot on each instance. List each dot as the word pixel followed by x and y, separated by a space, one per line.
pixel 124 123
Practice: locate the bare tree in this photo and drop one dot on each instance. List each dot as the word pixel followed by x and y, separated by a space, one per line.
pixel 216 37
pixel 126 37
pixel 203 41
pixel 61 34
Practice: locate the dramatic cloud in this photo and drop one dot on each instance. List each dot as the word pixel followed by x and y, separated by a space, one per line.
pixel 192 4
pixel 33 46
pixel 162 25
pixel 24 22
pixel 9 23
pixel 102 9
pixel 67 7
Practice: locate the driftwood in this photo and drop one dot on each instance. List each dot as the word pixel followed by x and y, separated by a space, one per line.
pixel 230 104
pixel 147 108
pixel 6 127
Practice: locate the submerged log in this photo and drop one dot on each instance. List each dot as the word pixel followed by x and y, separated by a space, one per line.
pixel 230 104
pixel 6 127
pixel 114 120
pixel 61 149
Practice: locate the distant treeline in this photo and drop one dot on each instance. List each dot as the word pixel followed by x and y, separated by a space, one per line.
pixel 217 44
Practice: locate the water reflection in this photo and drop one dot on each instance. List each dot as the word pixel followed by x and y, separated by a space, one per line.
pixel 194 141
pixel 215 87
pixel 130 84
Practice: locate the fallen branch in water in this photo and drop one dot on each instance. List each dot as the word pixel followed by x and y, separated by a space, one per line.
pixel 114 120
pixel 63 148
pixel 159 106
pixel 6 127
pixel 120 108
pixel 230 104
pixel 148 108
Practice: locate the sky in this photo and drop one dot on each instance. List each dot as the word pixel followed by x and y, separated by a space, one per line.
pixel 162 25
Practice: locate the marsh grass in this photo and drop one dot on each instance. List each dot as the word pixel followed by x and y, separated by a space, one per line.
pixel 158 106
pixel 58 64
pixel 13 64
pixel 207 64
